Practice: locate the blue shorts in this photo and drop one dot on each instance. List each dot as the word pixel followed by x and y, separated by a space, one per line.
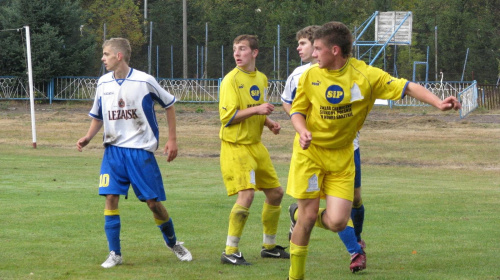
pixel 122 167
pixel 357 164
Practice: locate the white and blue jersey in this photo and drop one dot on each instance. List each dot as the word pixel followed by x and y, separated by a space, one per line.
pixel 292 83
pixel 126 107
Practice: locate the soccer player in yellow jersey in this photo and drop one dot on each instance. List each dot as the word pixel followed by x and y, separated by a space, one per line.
pixel 351 235
pixel 332 101
pixel 245 162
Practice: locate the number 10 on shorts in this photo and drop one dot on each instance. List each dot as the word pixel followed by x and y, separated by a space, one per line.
pixel 103 180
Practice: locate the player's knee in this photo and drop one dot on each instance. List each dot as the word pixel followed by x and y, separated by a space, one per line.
pixel 245 198
pixel 278 194
pixel 306 222
pixel 335 225
pixel 338 227
pixel 275 195
pixel 307 218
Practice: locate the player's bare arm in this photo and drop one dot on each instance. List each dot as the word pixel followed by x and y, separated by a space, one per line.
pixel 299 123
pixel 419 92
pixel 95 126
pixel 287 107
pixel 171 146
pixel 275 127
pixel 262 109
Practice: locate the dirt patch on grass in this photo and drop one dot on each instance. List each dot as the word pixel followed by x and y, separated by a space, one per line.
pixel 418 137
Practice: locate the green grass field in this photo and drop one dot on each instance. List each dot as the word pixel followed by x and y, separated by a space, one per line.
pixel 430 214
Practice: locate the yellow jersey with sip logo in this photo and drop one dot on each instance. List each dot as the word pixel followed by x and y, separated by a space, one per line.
pixel 241 90
pixel 336 102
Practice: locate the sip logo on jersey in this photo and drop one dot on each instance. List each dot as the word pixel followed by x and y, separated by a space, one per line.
pixel 334 94
pixel 255 93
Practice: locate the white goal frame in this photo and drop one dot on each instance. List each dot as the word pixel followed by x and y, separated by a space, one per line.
pixel 468 99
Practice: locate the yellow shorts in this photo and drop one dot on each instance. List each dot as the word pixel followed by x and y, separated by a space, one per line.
pixel 246 167
pixel 317 172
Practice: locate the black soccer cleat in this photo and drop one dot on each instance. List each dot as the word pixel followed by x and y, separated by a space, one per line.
pixel 277 252
pixel 234 259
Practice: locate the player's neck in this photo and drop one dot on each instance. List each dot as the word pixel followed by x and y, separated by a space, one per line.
pixel 122 71
pixel 250 67
pixel 338 63
pixel 310 60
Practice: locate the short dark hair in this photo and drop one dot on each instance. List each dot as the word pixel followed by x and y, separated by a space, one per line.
pixel 336 33
pixel 307 32
pixel 253 41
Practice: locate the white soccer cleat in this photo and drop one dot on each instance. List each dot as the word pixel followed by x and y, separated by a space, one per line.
pixel 181 252
pixel 113 260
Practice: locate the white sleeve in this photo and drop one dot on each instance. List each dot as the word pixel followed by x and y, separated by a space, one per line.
pixel 164 98
pixel 289 91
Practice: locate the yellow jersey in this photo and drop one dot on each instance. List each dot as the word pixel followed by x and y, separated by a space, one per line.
pixel 336 103
pixel 241 90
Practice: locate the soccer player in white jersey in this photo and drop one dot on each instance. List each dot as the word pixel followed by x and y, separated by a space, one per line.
pixel 124 106
pixel 245 162
pixel 351 235
pixel 333 99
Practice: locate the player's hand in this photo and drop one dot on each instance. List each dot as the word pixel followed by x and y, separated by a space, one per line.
pixel 451 102
pixel 275 127
pixel 305 139
pixel 264 109
pixel 82 142
pixel 170 150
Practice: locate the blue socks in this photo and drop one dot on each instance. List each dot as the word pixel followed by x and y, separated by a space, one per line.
pixel 358 216
pixel 168 233
pixel 112 228
pixel 349 240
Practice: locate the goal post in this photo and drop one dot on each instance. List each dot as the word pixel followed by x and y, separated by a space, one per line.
pixel 30 80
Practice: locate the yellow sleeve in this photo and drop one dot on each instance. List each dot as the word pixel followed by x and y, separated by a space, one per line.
pixel 387 86
pixel 301 102
pixel 229 103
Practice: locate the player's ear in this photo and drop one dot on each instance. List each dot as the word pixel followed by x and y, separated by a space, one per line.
pixel 119 56
pixel 255 53
pixel 336 50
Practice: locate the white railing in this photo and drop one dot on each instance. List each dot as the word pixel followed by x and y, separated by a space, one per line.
pixel 441 89
pixel 74 88
pixel 185 90
pixel 16 88
pixel 192 90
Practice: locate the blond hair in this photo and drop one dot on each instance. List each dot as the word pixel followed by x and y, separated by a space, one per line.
pixel 121 45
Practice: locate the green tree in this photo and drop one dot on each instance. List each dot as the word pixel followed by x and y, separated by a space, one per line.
pixel 123 19
pixel 58 47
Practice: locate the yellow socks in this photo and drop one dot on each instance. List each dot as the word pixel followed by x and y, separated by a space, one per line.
pixel 237 219
pixel 298 255
pixel 270 219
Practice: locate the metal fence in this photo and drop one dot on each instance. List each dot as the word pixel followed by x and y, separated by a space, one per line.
pixel 441 89
pixel 192 90
pixel 489 96
pixel 15 88
pixel 207 90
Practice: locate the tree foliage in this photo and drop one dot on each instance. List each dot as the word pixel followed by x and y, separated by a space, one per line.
pixel 121 18
pixel 461 25
pixel 57 45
